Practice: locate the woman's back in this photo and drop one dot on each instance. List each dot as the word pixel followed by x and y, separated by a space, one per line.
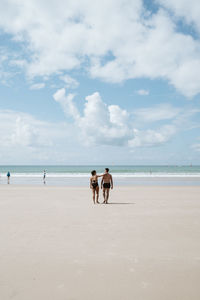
pixel 94 178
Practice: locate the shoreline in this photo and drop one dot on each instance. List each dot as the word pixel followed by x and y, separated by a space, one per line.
pixel 84 181
pixel 83 187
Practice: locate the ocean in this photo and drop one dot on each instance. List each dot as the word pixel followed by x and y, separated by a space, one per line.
pixel 122 175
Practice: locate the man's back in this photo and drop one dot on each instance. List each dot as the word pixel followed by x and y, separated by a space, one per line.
pixel 106 184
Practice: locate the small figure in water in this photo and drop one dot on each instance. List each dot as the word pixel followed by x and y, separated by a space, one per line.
pixel 44 177
pixel 106 184
pixel 8 176
pixel 94 185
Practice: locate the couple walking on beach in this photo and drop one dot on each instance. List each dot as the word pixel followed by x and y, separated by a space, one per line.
pixel 106 184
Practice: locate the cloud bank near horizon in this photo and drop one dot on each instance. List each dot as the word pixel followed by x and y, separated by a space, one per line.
pixel 102 124
pixel 98 126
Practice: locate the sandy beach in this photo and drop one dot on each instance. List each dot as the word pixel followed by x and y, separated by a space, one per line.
pixel 57 245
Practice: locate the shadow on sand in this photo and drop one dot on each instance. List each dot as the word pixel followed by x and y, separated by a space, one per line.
pixel 120 203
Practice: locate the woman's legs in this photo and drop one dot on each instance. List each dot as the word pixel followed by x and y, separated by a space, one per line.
pixel 97 194
pixel 93 195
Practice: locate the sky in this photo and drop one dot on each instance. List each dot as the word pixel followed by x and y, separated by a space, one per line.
pixel 100 82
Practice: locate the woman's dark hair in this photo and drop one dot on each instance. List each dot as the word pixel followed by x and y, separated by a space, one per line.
pixel 107 169
pixel 93 172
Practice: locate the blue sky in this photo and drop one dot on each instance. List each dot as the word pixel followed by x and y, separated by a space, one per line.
pixel 115 82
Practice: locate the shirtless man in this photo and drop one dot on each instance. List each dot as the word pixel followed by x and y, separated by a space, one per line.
pixel 106 184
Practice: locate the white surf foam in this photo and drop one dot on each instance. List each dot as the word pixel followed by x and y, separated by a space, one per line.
pixel 115 175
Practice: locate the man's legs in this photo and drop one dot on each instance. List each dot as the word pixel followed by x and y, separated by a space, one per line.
pixel 104 195
pixel 107 195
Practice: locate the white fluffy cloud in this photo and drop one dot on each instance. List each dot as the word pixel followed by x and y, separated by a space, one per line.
pixel 103 124
pixel 67 103
pixel 37 86
pixel 156 113
pixel 71 83
pixel 99 124
pixel 112 40
pixel 151 137
pixel 187 10
pixel 24 130
pixel 26 139
pixel 143 92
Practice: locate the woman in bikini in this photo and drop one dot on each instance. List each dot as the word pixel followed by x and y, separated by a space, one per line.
pixel 95 186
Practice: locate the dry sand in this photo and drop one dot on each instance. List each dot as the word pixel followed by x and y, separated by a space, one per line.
pixel 55 244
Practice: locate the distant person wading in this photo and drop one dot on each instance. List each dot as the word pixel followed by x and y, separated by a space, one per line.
pixel 44 176
pixel 8 176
